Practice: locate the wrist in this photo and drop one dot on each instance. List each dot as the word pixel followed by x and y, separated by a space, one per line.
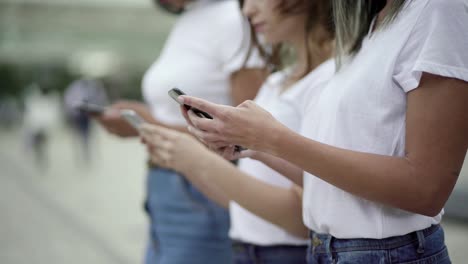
pixel 200 164
pixel 272 141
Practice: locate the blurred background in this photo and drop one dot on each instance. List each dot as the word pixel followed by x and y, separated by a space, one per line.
pixel 66 197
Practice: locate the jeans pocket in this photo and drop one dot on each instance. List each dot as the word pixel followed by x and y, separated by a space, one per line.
pixel 441 257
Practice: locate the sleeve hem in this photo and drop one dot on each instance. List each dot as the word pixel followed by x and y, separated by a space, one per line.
pixel 436 69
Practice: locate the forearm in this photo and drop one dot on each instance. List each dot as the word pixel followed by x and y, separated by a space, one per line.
pixel 212 191
pixel 285 168
pixel 280 206
pixel 394 181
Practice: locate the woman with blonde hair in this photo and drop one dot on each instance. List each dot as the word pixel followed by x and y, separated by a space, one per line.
pixel 384 144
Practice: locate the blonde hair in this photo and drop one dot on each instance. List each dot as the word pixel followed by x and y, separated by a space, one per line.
pixel 353 19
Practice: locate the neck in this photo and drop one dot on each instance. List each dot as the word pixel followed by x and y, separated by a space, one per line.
pixel 384 11
pixel 299 45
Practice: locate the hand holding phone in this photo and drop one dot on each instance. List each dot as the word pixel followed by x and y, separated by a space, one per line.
pixel 132 118
pixel 174 93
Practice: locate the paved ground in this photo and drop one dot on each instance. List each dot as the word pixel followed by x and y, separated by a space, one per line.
pixel 70 213
pixel 73 214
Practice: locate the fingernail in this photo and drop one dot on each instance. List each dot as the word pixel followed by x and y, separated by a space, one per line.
pixel 181 99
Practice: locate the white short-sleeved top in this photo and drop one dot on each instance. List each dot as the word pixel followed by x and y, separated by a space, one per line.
pixel 363 108
pixel 287 108
pixel 208 42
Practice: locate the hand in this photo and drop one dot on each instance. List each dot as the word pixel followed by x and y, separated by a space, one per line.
pixel 230 153
pixel 247 125
pixel 115 124
pixel 172 149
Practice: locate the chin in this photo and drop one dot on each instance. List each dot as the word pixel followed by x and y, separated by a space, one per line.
pixel 272 41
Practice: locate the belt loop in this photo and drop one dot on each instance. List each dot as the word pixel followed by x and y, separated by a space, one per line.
pixel 328 245
pixel 421 241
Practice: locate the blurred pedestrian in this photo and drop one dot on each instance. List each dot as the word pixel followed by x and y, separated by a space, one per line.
pixel 40 116
pixel 78 92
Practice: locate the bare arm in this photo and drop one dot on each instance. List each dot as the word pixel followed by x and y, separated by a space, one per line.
pixel 113 123
pixel 280 206
pixel 245 83
pixel 420 182
pixel 221 180
pixel 285 168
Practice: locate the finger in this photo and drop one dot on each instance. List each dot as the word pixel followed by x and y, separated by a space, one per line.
pixel 201 123
pixel 203 136
pixel 156 141
pixel 156 160
pixel 210 108
pixel 219 144
pixel 245 154
pixel 228 152
pixel 147 129
pixel 152 130
pixel 163 156
pixel 184 112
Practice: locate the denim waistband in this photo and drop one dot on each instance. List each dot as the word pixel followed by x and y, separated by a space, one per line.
pixel 239 245
pixel 324 243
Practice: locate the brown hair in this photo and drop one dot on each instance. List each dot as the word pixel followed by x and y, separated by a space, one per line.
pixel 320 33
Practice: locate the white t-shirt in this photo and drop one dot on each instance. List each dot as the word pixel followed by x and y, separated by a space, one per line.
pixel 363 108
pixel 208 42
pixel 286 107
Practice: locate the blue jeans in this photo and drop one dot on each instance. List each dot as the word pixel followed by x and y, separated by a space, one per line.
pixel 185 227
pixel 245 253
pixel 421 247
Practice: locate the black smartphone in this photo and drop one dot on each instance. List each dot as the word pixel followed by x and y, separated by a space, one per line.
pixel 175 92
pixel 91 108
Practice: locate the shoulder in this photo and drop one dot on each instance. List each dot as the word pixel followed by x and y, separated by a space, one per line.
pixel 219 12
pixel 447 11
pixel 440 6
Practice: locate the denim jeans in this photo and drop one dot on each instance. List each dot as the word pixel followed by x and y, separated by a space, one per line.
pixel 245 253
pixel 421 247
pixel 185 227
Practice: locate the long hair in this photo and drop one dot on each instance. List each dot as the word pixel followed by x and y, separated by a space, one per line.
pixel 319 29
pixel 353 19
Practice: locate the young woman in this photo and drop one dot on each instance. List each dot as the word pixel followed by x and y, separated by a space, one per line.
pixel 384 144
pixel 205 59
pixel 305 27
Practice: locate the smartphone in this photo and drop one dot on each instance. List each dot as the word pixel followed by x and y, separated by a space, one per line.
pixel 132 118
pixel 91 108
pixel 175 92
